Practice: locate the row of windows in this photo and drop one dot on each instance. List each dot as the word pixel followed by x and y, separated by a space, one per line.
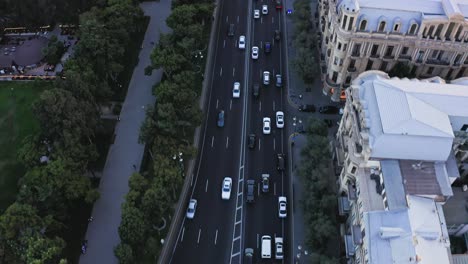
pixel 383 25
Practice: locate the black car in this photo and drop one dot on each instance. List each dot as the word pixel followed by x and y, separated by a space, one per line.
pixel 252 139
pixel 329 109
pixel 250 191
pixel 307 108
pixel 221 118
pixel 267 47
pixel 230 30
pixel 280 161
pixel 256 90
pixel 277 35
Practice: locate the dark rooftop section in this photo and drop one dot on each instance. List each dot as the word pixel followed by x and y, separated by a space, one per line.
pixel 419 177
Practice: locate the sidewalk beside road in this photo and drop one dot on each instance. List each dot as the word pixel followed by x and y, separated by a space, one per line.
pixel 126 153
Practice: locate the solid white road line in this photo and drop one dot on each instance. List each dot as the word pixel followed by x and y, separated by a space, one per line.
pixel 216 236
pixel 182 236
pixel 206 186
pixel 233 71
pixel 217 103
pixel 212 141
pixel 199 233
pixel 227 142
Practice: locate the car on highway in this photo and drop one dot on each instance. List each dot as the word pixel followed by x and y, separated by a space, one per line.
pixel 221 118
pixel 266 125
pixel 265 183
pixel 230 31
pixel 248 256
pixel 256 13
pixel 250 191
pixel 279 254
pixel 242 42
pixel 266 77
pixel 280 161
pixel 282 211
pixel 279 119
pixel 264 9
pixel 266 247
pixel 254 52
pixel 277 35
pixel 307 108
pixel 329 109
pixel 279 80
pixel 256 90
pixel 278 5
pixel 252 140
pixel 236 90
pixel 267 47
pixel 226 188
pixel 192 207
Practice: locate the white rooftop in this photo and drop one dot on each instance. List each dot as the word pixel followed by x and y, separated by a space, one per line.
pixel 409 117
pixel 408 236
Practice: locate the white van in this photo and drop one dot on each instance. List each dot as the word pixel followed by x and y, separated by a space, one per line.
pixel 266 247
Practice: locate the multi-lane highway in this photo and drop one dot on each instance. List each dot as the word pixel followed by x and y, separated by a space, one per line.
pixel 222 229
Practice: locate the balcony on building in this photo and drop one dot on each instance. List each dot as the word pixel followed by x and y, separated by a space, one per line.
pixel 404 57
pixel 355 54
pixel 351 69
pixel 437 62
pixel 331 83
pixel 376 55
pixel 389 56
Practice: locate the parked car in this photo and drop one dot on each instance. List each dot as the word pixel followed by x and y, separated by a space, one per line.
pixel 248 256
pixel 254 52
pixel 280 161
pixel 307 108
pixel 329 109
pixel 236 90
pixel 221 118
pixel 277 35
pixel 282 212
pixel 250 191
pixel 266 125
pixel 256 90
pixel 279 80
pixel 226 188
pixel 242 42
pixel 192 207
pixel 279 119
pixel 252 140
pixel 265 182
pixel 267 47
pixel 279 254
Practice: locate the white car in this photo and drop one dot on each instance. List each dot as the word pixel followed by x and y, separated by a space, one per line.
pixel 254 52
pixel 279 119
pixel 279 248
pixel 256 13
pixel 242 42
pixel 266 125
pixel 265 9
pixel 236 90
pixel 226 188
pixel 282 212
pixel 266 77
pixel 192 207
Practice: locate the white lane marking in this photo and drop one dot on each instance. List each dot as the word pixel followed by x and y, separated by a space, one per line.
pixel 226 18
pixel 237 19
pixel 235 43
pixel 199 233
pixel 217 103
pixel 261 20
pixel 230 105
pixel 274 144
pixel 224 43
pixel 212 141
pixel 260 106
pixel 272 20
pixel 237 238
pixel 258 239
pixel 221 72
pixel 261 45
pixel 236 254
pixel 274 106
pixel 233 71
pixel 274 188
pixel 238 222
pixel 216 236
pixel 182 236
pixel 259 144
pixel 206 186
pixel 227 142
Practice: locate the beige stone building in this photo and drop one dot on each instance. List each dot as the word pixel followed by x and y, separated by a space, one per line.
pixel 361 35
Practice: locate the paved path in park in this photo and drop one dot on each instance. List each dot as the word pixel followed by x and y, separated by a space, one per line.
pixel 102 233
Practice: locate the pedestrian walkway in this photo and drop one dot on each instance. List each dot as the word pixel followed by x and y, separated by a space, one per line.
pixel 126 153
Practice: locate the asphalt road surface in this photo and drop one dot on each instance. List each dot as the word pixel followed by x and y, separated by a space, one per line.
pixel 222 229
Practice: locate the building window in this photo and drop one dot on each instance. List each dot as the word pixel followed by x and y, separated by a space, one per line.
pixel 375 47
pixel 449 74
pixel 363 25
pixel 335 61
pixel 339 45
pixel 396 27
pixel 420 56
pixel 464 127
pixel 389 51
pixel 457 59
pixel 369 65
pixel 431 30
pixel 458 36
pixel 439 30
pixel 382 26
pixel 351 23
pixel 353 170
pixel 352 63
pixel 430 70
pixel 449 30
pixel 404 51
pixel 345 19
pixel 412 30
pixel 435 53
pixel 348 80
pixel 383 66
pixel 335 76
pixel 345 46
pixel 356 50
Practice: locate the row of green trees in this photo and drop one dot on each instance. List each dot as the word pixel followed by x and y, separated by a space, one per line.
pixel 305 41
pixel 58 158
pixel 319 198
pixel 167 131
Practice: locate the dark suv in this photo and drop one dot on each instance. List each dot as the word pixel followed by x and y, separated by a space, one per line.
pixel 256 90
pixel 250 191
pixel 230 31
pixel 252 139
pixel 280 161
pixel 267 47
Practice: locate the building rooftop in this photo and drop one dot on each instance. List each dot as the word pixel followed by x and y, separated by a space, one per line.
pixel 456 208
pixel 393 181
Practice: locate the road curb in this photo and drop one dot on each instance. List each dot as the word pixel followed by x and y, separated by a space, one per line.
pixel 172 235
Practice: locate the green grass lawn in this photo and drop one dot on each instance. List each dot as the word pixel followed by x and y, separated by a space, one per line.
pixel 16 122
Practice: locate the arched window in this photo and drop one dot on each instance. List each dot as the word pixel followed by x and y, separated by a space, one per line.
pixel 396 27
pixel 412 30
pixel 363 25
pixel 382 26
